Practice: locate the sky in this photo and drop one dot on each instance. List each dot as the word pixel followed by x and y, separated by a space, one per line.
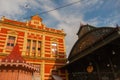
pixel 98 13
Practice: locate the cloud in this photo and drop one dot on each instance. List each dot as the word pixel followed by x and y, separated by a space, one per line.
pixel 71 26
pixel 16 9
pixel 10 8
pixel 112 20
pixel 94 21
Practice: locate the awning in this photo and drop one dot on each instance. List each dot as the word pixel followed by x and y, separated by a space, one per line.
pixel 57 77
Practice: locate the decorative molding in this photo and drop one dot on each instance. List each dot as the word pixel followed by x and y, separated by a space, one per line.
pixel 54 39
pixel 12 32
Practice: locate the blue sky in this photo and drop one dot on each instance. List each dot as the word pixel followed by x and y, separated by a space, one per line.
pixel 94 12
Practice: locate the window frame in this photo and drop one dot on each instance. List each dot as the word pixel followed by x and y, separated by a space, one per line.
pixel 54 54
pixel 33 50
pixel 10 44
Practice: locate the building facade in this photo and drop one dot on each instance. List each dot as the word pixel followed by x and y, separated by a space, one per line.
pixel 95 55
pixel 42 46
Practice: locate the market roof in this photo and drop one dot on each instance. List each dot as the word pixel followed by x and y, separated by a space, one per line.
pixel 92 41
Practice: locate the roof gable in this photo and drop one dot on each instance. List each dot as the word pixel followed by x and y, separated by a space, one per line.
pixel 89 39
pixel 14 56
pixel 36 17
pixel 84 29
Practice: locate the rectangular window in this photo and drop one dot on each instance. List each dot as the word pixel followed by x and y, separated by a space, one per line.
pixel 28 47
pixel 54 48
pixel 39 48
pixel 10 42
pixel 33 48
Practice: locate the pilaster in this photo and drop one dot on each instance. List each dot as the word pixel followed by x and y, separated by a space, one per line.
pixel 25 43
pixel 43 70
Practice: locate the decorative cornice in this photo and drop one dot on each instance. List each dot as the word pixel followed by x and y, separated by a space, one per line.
pixel 60 32
pixel 36 58
pixel 43 58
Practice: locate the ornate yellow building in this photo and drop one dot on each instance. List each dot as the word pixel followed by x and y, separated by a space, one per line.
pixel 42 46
